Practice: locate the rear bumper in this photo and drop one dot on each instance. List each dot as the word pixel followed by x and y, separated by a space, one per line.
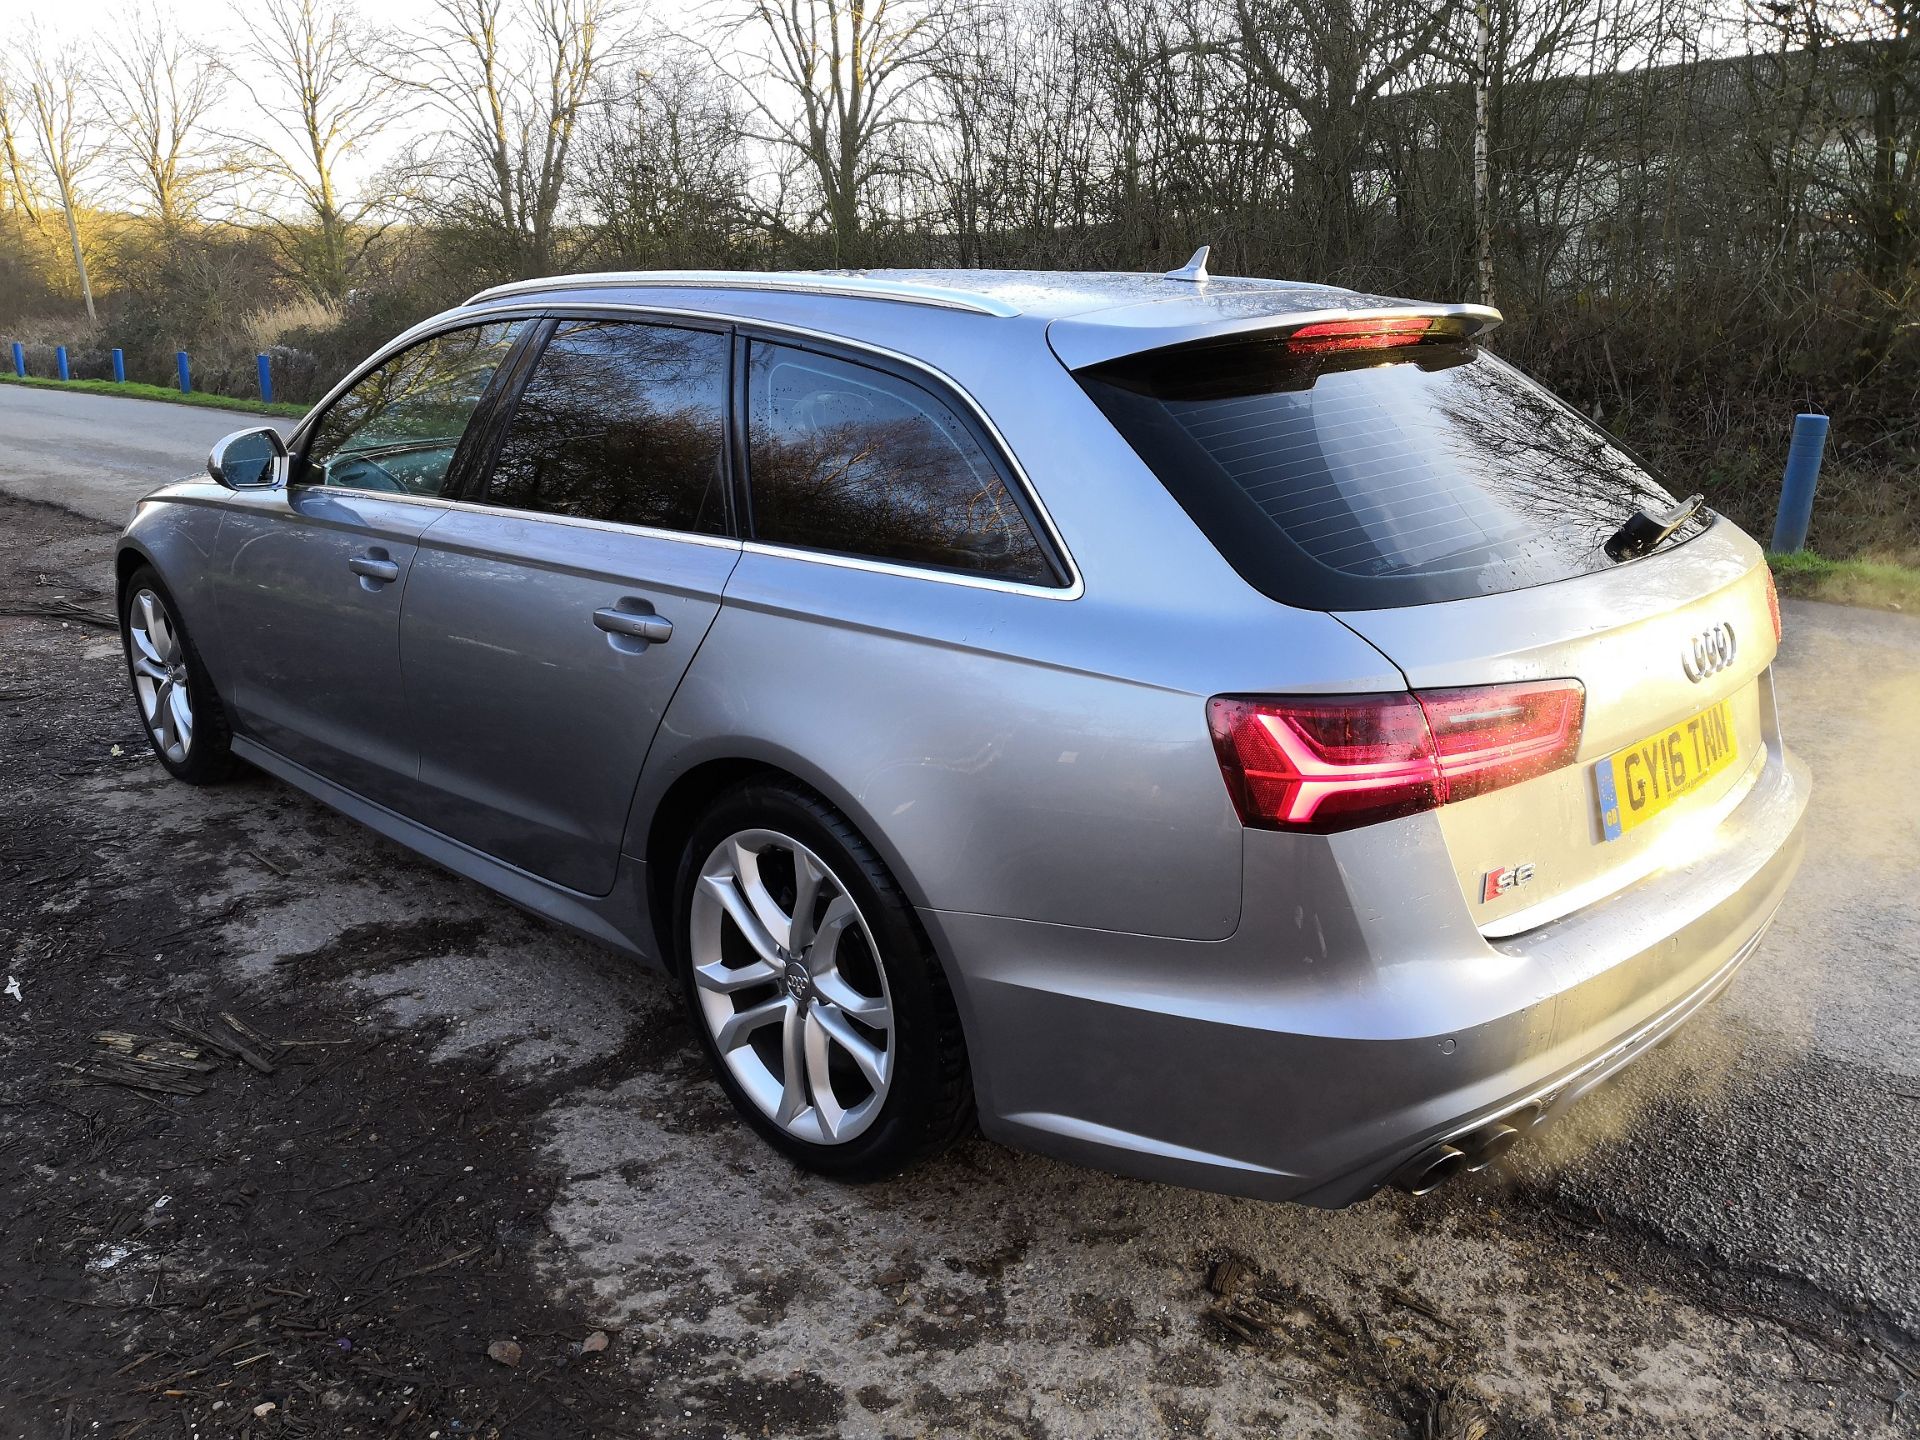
pixel 1334 1037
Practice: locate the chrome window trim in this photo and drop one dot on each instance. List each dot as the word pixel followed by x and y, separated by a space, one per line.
pixel 914 572
pixel 611 527
pixel 788 282
pixel 460 320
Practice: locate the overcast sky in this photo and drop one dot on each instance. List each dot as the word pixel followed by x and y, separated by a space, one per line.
pixel 86 19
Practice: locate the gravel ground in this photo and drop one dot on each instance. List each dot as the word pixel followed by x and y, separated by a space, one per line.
pixel 479 1132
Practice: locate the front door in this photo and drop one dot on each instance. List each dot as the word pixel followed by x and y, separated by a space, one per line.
pixel 312 574
pixel 546 629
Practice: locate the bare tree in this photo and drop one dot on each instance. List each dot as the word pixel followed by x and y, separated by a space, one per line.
pixel 16 185
pixel 1329 62
pixel 512 79
pixel 158 91
pixel 66 134
pixel 828 79
pixel 322 104
pixel 665 170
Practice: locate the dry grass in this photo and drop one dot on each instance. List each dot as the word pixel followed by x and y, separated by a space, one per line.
pixel 267 328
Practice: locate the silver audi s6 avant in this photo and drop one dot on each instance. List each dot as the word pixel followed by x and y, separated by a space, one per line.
pixel 1224 731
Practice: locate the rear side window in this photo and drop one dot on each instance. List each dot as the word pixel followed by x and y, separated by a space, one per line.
pixel 1341 482
pixel 623 422
pixel 848 458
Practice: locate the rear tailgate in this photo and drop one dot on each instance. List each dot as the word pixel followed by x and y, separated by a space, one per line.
pixel 1650 642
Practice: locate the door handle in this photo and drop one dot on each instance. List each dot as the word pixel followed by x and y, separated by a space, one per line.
pixel 374 569
pixel 640 624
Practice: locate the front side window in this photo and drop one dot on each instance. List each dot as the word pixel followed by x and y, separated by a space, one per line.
pixel 623 422
pixel 847 458
pixel 398 428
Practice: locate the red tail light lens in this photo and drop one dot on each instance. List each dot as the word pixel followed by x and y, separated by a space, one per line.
pixel 1773 606
pixel 1338 762
pixel 1493 736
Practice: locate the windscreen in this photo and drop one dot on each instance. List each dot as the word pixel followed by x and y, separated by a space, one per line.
pixel 1361 481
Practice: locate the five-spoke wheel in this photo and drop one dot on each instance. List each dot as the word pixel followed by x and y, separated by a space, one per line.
pixel 160 675
pixel 822 1006
pixel 791 987
pixel 183 717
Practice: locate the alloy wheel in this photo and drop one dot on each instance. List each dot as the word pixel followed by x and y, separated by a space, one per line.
pixel 791 986
pixel 160 676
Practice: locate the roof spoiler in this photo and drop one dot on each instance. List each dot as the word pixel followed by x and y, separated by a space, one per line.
pixel 1082 341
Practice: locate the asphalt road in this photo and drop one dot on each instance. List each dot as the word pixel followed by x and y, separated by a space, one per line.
pixel 1719 1242
pixel 97 454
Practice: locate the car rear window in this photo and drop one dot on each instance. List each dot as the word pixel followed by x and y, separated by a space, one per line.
pixel 1358 482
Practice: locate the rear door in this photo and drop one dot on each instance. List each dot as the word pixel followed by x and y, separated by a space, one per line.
pixel 547 625
pixel 311 575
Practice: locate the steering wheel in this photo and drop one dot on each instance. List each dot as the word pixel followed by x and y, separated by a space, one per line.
pixel 356 473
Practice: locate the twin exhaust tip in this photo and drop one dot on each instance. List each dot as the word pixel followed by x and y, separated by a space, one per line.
pixel 1464 1154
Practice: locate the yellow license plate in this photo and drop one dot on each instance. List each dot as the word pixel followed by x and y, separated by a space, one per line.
pixel 1637 783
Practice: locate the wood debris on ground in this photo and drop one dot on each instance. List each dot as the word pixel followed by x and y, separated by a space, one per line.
pixel 177 1066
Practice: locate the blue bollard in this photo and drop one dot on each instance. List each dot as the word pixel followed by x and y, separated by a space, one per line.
pixel 19 359
pixel 119 365
pixel 60 357
pixel 1796 486
pixel 266 377
pixel 186 376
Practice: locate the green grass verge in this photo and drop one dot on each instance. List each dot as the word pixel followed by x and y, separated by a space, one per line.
pixel 1877 584
pixel 136 391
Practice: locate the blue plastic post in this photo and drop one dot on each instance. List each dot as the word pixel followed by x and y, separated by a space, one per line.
pixel 19 359
pixel 1796 486
pixel 60 358
pixel 119 365
pixel 186 376
pixel 266 377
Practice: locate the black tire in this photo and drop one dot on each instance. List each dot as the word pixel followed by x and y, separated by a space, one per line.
pixel 929 1102
pixel 209 757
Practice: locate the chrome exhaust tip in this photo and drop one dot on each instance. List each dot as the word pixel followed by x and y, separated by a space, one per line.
pixel 1429 1170
pixel 1487 1144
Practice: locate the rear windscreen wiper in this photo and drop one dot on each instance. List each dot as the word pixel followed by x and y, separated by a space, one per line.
pixel 1643 533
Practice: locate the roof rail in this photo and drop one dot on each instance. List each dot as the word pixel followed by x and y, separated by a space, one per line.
pixel 806 282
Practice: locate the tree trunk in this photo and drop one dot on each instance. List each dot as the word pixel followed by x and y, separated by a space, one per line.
pixel 1482 178
pixel 79 255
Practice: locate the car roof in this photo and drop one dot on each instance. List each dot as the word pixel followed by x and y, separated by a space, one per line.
pixel 1089 315
pixel 1047 294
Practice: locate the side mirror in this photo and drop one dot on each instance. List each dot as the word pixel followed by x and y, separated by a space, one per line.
pixel 248 459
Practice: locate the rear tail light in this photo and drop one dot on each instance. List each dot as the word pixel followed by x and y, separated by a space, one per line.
pixel 1773 606
pixel 1336 762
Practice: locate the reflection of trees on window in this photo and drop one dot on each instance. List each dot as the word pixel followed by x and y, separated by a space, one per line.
pixel 621 422
pixel 1542 459
pixel 397 429
pixel 847 458
pixel 1446 462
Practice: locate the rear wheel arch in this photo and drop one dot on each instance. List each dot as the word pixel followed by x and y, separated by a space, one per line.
pixel 695 790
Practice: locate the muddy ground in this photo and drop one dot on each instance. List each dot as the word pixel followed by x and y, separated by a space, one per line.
pixel 443 1125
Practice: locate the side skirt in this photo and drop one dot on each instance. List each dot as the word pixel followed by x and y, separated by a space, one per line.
pixel 617 919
